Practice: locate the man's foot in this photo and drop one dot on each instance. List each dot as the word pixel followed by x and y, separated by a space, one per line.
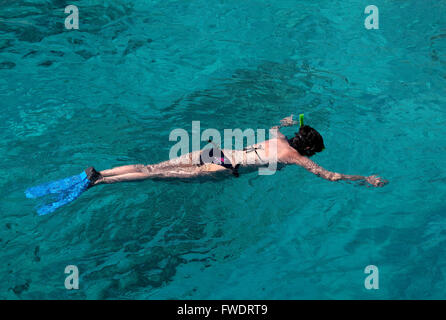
pixel 93 176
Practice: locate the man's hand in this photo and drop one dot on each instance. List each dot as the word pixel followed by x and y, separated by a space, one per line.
pixel 288 121
pixel 376 181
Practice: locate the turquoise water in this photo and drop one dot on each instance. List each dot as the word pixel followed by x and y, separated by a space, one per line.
pixel 109 94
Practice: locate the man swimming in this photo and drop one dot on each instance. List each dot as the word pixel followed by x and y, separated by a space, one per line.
pixel 296 150
pixel 279 149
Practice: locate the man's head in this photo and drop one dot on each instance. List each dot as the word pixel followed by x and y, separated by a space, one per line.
pixel 307 141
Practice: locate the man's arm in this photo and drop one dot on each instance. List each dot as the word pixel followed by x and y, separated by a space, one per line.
pixel 334 176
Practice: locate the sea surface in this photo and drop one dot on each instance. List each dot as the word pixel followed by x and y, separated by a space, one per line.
pixel 110 93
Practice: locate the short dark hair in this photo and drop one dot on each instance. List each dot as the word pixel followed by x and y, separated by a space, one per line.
pixel 307 141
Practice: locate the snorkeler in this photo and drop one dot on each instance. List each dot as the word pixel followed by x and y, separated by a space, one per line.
pixel 296 150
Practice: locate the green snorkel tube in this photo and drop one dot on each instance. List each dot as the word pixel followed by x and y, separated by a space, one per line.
pixel 301 120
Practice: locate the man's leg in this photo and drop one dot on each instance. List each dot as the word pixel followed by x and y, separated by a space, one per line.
pixel 123 178
pixel 183 160
pixel 134 168
pixel 160 170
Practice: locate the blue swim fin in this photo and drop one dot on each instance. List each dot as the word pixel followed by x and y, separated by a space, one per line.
pixel 62 191
pixel 55 187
